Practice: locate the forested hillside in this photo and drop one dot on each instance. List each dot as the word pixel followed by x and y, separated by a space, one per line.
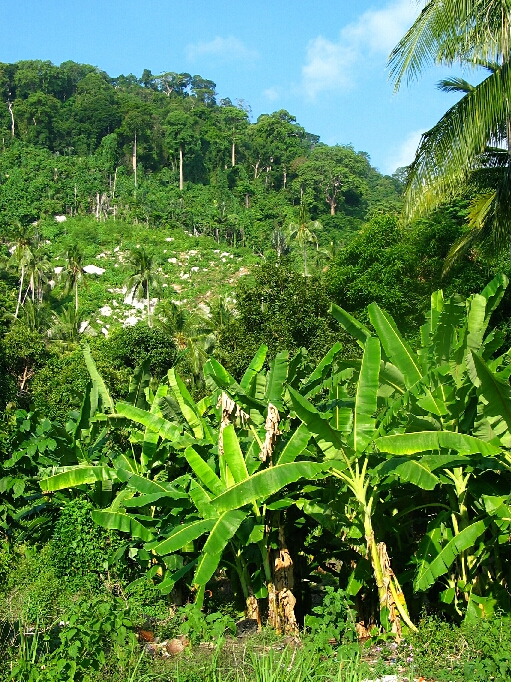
pixel 94 167
pixel 76 141
pixel 237 382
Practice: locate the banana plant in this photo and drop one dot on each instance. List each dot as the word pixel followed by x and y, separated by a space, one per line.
pixel 346 441
pixel 427 408
pixel 218 509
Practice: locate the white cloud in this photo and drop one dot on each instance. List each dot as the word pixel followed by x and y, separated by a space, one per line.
pixel 405 153
pixel 224 49
pixel 327 66
pixel 272 94
pixel 333 65
pixel 380 30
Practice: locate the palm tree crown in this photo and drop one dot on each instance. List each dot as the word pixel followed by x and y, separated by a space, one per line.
pixel 303 232
pixel 74 271
pixel 469 149
pixel 143 277
pixel 21 257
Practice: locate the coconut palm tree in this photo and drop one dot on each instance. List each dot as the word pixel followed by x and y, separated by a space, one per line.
pixel 21 257
pixel 74 272
pixel 303 232
pixel 193 333
pixel 279 243
pixel 143 278
pixel 36 316
pixel 470 147
pixel 37 270
pixel 67 327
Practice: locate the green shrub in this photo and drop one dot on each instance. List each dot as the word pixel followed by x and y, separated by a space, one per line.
pixel 95 642
pixel 59 386
pixel 130 346
pixel 148 607
pixel 34 593
pixel 79 548
pixel 334 619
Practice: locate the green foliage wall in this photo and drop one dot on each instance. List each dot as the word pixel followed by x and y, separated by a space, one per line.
pixel 282 309
pixel 79 548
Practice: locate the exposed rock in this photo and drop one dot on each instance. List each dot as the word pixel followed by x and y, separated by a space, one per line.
pixel 177 645
pixel 93 270
pixel 247 626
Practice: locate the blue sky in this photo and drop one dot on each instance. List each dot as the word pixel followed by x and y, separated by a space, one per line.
pixel 323 61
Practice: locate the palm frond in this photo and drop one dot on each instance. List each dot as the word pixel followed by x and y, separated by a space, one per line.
pixel 454 84
pixel 447 153
pixel 451 31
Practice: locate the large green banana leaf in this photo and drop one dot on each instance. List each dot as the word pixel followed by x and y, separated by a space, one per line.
pixel 204 472
pixel 202 500
pixel 328 439
pixel 350 324
pixel 97 379
pixel 441 563
pixel 233 455
pixel 146 486
pixel 430 545
pixel 167 585
pixel 183 535
pixel 217 376
pixel 497 396
pixel 151 437
pixel 87 411
pixel 265 483
pixel 366 397
pixel 295 445
pixel 476 322
pixel 123 522
pixel 493 292
pixel 163 499
pixel 221 533
pixel 424 441
pixel 396 348
pixel 324 368
pixel 75 476
pixel 248 380
pixel 188 408
pixel 165 429
pixel 410 471
pixel 138 383
pixel 392 376
pixel 276 378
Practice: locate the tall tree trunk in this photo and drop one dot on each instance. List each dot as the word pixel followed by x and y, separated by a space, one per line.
pixel 134 158
pixel 9 105
pixel 148 307
pixel 181 179
pixel 233 153
pixel 280 595
pixel 20 291
pixel 76 294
